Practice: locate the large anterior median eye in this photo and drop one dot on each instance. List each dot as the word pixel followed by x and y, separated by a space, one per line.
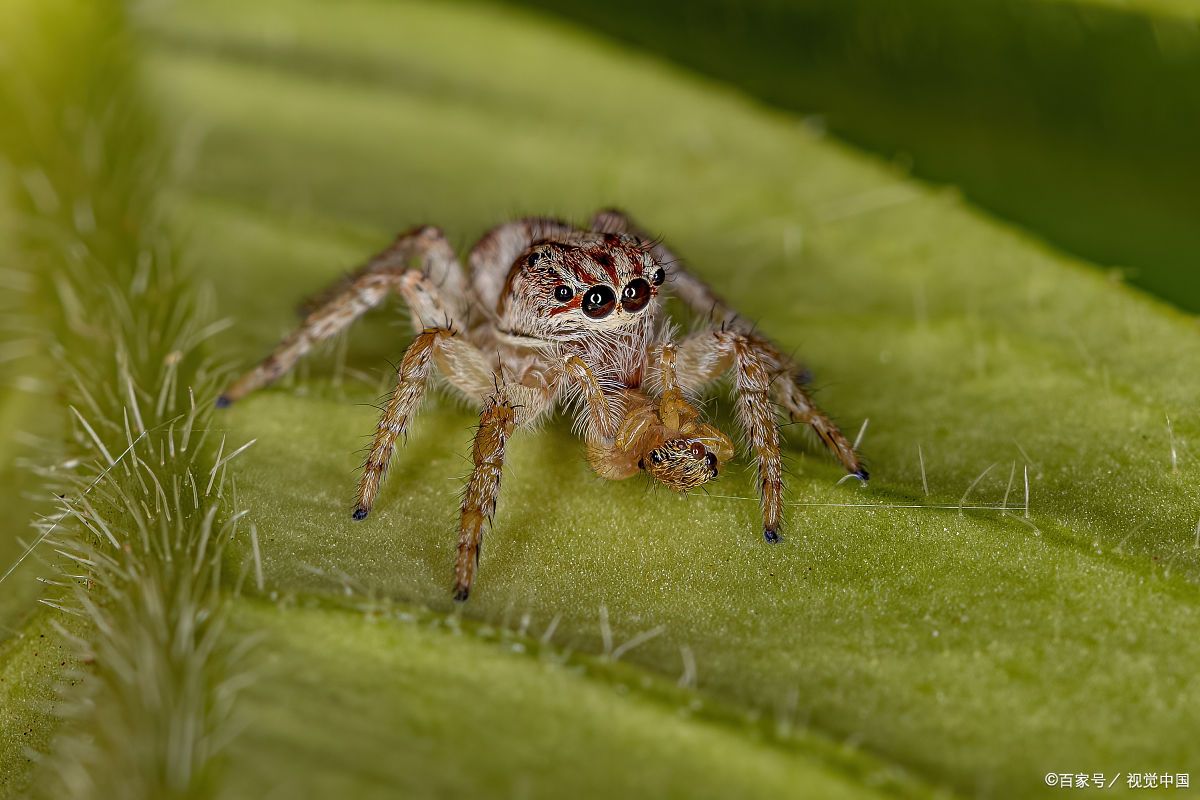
pixel 599 301
pixel 635 295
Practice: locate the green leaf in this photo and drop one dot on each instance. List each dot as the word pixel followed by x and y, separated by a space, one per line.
pixel 943 628
pixel 422 707
pixel 978 648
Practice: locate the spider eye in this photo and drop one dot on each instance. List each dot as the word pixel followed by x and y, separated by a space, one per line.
pixel 658 276
pixel 533 259
pixel 635 295
pixel 563 293
pixel 599 301
pixel 698 450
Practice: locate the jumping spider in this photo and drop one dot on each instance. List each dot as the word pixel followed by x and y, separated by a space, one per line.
pixel 553 314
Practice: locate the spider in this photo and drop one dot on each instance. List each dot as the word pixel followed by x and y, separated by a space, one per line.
pixel 551 314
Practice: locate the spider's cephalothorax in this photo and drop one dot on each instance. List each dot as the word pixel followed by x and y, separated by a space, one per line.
pixel 550 314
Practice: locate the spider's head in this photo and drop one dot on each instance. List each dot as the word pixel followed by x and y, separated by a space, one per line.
pixel 681 464
pixel 567 290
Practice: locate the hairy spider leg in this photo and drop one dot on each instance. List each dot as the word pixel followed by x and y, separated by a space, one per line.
pixel 412 378
pixel 496 424
pixel 360 291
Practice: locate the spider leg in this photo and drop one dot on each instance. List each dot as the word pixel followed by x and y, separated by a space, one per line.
pixel 705 356
pixel 496 424
pixel 788 389
pixel 508 407
pixel 759 371
pixel 425 244
pixel 412 377
pixel 362 290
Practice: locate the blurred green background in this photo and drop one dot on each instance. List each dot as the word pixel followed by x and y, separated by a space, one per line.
pixel 1013 595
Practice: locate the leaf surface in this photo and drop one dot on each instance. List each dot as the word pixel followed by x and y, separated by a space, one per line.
pixel 945 626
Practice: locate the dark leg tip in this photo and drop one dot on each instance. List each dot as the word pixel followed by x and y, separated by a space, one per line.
pixel 224 402
pixel 771 536
pixel 360 513
pixel 862 474
pixel 461 594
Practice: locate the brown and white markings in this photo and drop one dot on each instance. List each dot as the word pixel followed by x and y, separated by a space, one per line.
pixel 549 314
